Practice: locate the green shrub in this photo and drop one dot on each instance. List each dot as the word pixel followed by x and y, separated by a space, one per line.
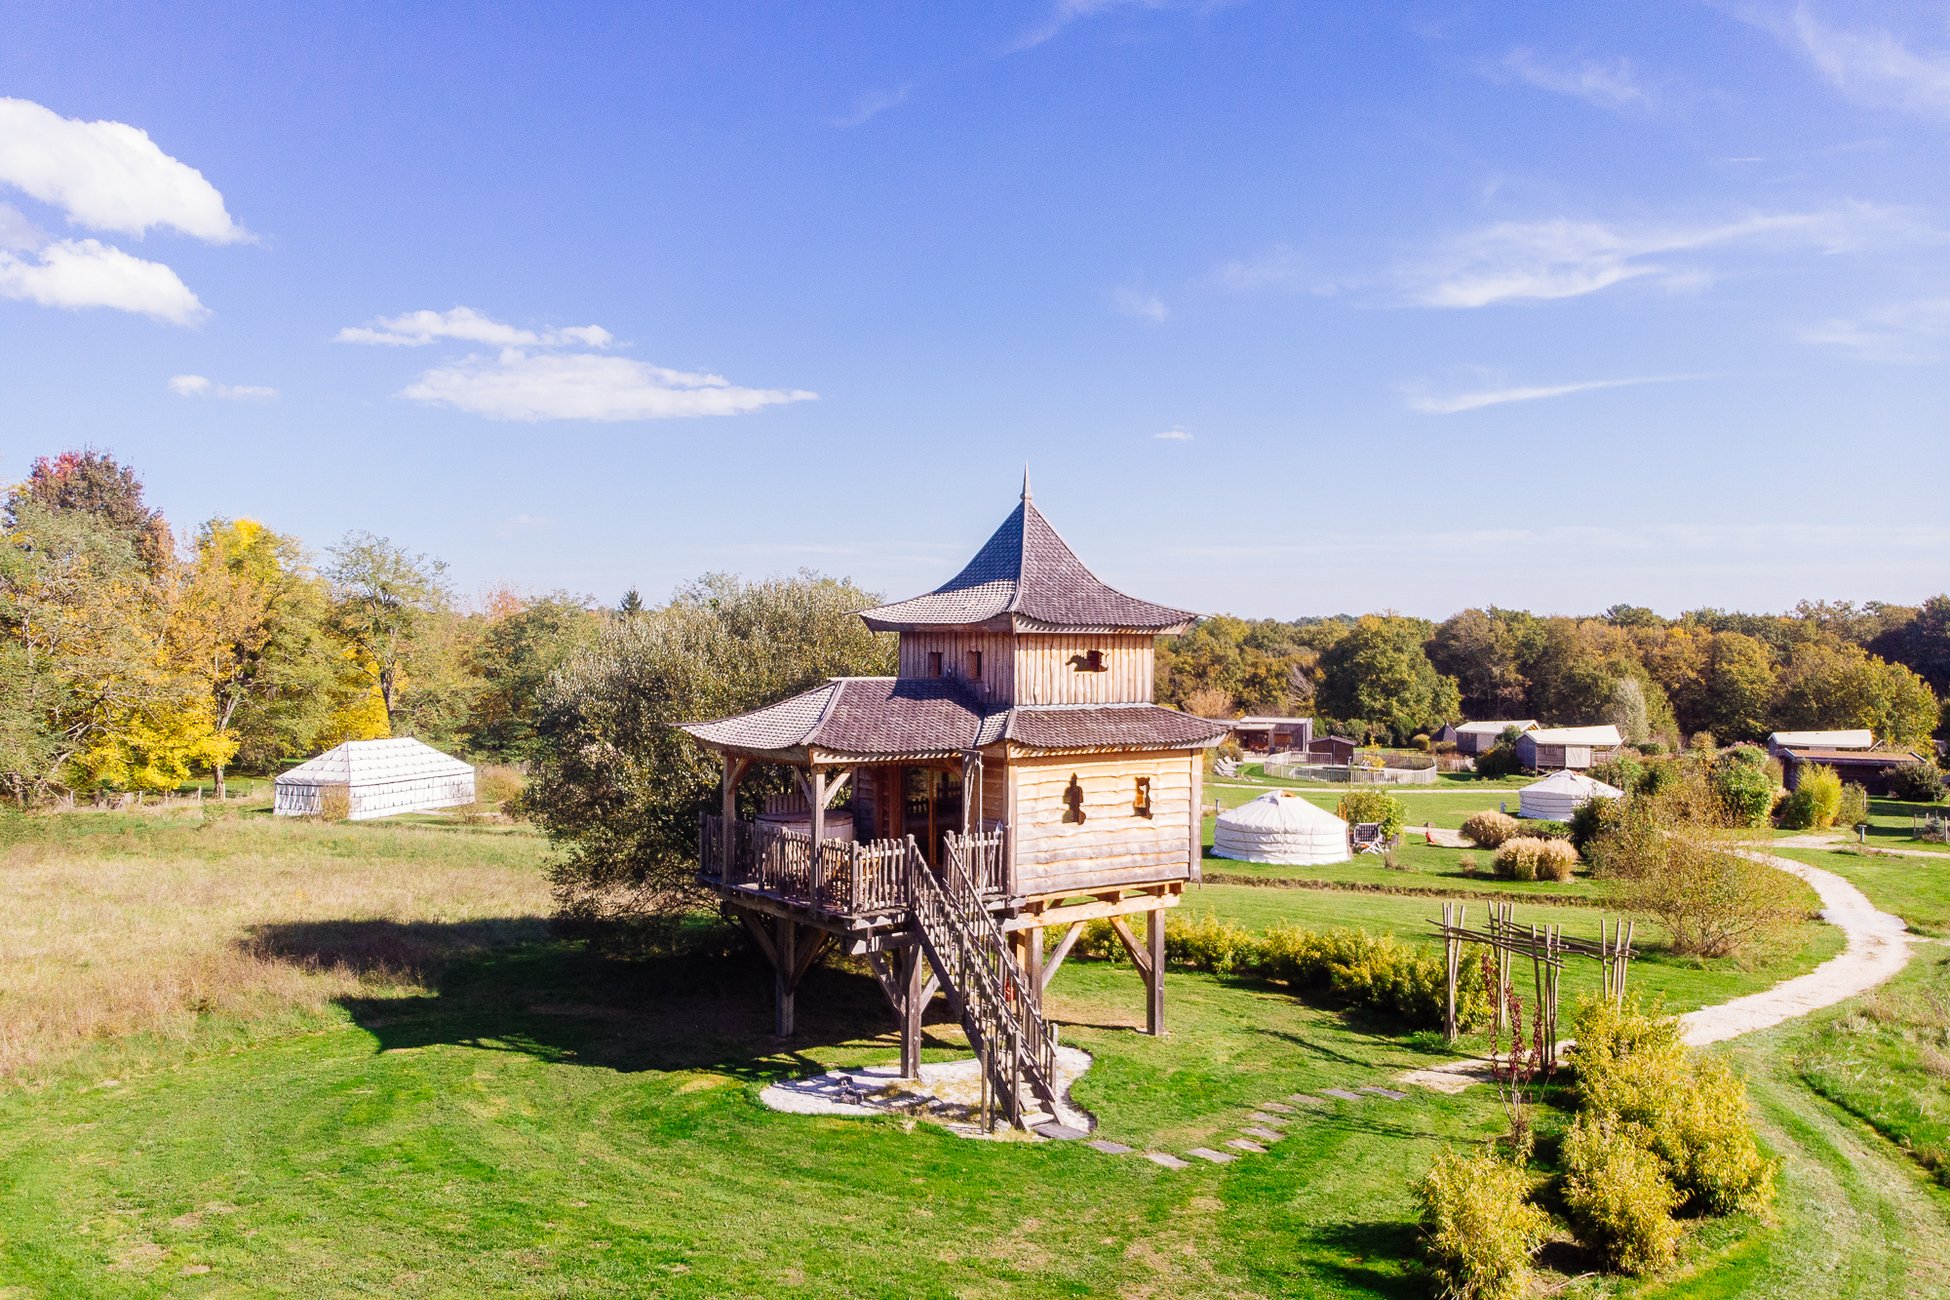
pixel 1855 805
pixel 498 783
pixel 1478 1226
pixel 1490 829
pixel 1659 777
pixel 1815 801
pixel 1650 748
pixel 1373 806
pixel 1373 970
pixel 1744 782
pixel 1618 1197
pixel 1499 759
pixel 1914 783
pixel 1542 828
pixel 1588 822
pixel 1529 858
pixel 1623 771
pixel 1688 1110
pixel 1208 944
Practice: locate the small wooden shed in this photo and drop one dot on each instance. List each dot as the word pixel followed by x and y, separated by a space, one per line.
pixel 1553 749
pixel 1473 738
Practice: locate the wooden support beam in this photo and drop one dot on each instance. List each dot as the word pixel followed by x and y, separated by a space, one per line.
pixel 1105 906
pixel 783 991
pixel 914 1000
pixel 1033 968
pixel 759 936
pixel 1054 962
pixel 1154 1007
pixel 808 954
pixel 1140 953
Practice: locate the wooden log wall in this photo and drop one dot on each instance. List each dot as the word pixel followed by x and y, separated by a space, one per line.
pixel 957 648
pixel 1047 670
pixel 1113 845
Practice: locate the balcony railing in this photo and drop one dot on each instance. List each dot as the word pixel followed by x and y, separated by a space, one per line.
pixel 847 877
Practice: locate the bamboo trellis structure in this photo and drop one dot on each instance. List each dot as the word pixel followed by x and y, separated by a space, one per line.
pixel 1546 948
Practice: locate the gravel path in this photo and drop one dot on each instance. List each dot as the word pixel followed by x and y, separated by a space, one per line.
pixel 1878 947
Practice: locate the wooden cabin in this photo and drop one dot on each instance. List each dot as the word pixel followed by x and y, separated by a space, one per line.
pixel 1574 749
pixel 1271 735
pixel 1013 781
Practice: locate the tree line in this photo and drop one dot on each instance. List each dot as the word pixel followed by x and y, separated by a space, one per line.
pixel 135 658
pixel 1733 676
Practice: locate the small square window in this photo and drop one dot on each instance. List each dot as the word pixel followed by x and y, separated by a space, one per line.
pixel 934 663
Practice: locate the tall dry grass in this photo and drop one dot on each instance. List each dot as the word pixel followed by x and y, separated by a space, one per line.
pixel 117 926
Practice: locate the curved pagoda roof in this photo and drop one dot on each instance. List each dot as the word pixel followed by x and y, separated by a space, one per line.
pixel 1027 579
pixel 885 719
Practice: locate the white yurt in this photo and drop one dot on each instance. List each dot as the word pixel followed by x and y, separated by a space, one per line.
pixel 379 778
pixel 1280 827
pixel 1560 794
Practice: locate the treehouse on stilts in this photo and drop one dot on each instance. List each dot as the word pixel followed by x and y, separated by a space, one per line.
pixel 959 823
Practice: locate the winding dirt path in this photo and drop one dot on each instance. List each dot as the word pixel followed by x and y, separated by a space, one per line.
pixel 1878 947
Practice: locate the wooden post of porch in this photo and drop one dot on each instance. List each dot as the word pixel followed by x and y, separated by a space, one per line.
pixel 733 769
pixel 1033 967
pixel 784 987
pixel 912 1004
pixel 1154 979
pixel 816 827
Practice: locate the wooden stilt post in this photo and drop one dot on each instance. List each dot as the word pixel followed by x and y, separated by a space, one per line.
pixel 1033 968
pixel 911 1009
pixel 1449 946
pixel 1154 934
pixel 785 958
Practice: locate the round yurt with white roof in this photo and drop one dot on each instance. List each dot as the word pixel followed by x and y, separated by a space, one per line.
pixel 1560 794
pixel 363 779
pixel 1280 827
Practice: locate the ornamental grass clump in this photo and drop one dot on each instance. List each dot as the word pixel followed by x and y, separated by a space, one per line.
pixel 1815 802
pixel 1530 858
pixel 1478 1226
pixel 1488 830
pixel 1618 1197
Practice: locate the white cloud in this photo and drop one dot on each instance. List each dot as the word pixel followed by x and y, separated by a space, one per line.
pixel 463 324
pixel 1874 67
pixel 1613 86
pixel 16 231
pixel 1905 333
pixel 1562 258
pixel 87 273
pixel 870 105
pixel 199 386
pixel 1066 12
pixel 1476 400
pixel 107 175
pixel 1143 306
pixel 523 385
pixel 1173 435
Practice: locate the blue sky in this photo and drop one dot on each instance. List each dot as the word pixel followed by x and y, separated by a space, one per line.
pixel 1291 309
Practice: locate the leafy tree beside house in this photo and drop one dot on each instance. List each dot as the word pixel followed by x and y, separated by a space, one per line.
pixel 1379 672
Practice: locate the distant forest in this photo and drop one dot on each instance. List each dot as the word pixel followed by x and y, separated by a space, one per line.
pixel 136 656
pixel 1734 676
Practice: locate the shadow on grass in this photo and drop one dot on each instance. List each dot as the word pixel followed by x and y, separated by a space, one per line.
pixel 508 985
pixel 1348 1248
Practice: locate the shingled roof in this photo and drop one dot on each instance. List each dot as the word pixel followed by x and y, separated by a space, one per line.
pixel 1028 579
pixel 887 718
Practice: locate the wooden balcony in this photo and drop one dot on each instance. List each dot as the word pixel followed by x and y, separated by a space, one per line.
pixel 847 880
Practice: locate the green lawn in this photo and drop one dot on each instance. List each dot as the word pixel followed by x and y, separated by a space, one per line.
pixel 1914 888
pixel 528 1118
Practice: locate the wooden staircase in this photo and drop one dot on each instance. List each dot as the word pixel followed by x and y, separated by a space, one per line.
pixel 1014 1043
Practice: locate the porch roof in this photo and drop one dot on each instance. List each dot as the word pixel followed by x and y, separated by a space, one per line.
pixel 884 719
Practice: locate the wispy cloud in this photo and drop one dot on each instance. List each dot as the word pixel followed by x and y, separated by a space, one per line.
pixel 1908 333
pixel 1281 267
pixel 1173 434
pixel 1613 86
pixel 1140 305
pixel 555 374
pixel 199 386
pixel 105 176
pixel 1066 12
pixel 416 329
pixel 1873 67
pixel 1562 258
pixel 1476 399
pixel 871 104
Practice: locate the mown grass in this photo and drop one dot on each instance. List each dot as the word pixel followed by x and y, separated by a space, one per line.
pixel 1914 888
pixel 443 1100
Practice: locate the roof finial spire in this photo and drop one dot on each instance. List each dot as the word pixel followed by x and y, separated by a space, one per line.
pixel 1025 480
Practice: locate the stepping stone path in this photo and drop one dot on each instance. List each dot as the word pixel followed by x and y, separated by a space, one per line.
pixel 1268 1125
pixel 1062 1132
